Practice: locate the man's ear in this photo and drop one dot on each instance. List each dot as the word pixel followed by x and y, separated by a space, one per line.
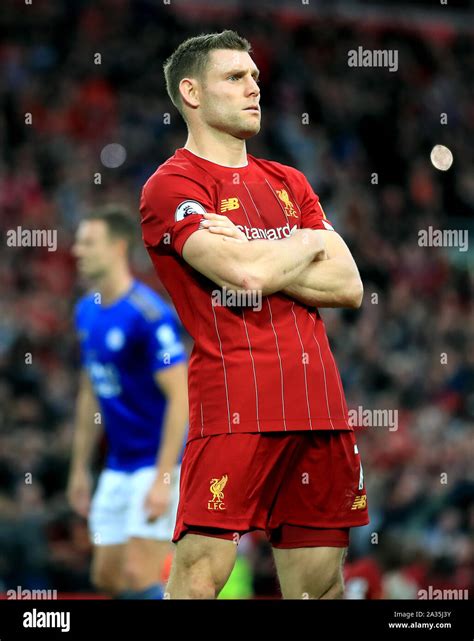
pixel 189 90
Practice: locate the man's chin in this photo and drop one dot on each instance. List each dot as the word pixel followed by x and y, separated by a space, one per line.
pixel 248 132
pixel 90 276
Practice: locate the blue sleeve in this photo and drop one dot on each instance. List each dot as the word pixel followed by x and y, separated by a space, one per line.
pixel 163 341
pixel 75 315
pixel 80 329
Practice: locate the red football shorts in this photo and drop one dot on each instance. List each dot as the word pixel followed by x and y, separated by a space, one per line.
pixel 304 489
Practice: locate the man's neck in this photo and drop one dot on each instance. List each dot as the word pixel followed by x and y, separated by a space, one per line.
pixel 112 288
pixel 218 148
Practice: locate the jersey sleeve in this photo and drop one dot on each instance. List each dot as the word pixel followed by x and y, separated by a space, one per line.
pixel 80 329
pixel 171 209
pixel 312 213
pixel 163 343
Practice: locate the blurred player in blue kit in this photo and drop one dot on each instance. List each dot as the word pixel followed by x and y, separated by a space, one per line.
pixel 133 382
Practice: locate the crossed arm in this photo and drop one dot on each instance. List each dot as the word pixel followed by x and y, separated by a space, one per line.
pixel 314 267
pixel 332 281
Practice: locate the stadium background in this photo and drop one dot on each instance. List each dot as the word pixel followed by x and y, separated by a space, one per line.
pixel 361 121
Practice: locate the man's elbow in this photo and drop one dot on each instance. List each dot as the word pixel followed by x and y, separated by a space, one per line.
pixel 252 282
pixel 354 295
pixel 246 279
pixel 249 275
pixel 262 283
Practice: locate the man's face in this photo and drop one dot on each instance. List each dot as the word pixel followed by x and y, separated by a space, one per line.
pixel 229 93
pixel 97 252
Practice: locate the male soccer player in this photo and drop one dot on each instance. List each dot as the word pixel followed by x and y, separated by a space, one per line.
pixel 269 446
pixel 134 383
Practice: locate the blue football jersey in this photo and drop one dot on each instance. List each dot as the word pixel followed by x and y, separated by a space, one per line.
pixel 122 346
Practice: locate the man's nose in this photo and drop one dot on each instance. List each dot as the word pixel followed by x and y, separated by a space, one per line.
pixel 252 87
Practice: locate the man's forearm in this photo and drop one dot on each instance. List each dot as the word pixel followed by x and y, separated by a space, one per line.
pixel 327 283
pixel 86 436
pixel 87 429
pixel 270 265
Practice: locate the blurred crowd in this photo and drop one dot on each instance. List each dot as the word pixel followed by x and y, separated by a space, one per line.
pixel 363 138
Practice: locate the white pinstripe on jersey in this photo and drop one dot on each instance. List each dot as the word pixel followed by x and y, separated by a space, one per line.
pixel 281 369
pixel 223 367
pixel 324 371
pixel 253 369
pixel 304 366
pixel 202 422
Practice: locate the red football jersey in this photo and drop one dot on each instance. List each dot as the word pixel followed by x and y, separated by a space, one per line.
pixel 253 369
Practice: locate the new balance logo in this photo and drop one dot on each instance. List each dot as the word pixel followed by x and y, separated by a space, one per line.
pixel 360 502
pixel 228 204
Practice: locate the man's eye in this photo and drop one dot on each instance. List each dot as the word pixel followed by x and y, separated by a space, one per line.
pixel 233 78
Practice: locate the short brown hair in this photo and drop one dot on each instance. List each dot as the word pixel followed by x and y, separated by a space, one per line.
pixel 190 59
pixel 118 220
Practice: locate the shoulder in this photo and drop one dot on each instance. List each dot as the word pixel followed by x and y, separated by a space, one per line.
pixel 176 175
pixel 148 305
pixel 83 305
pixel 279 170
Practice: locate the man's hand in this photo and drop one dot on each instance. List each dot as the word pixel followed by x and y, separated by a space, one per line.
pixel 217 224
pixel 78 492
pixel 158 499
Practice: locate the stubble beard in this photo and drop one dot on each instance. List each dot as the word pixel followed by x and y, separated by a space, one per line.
pixel 243 128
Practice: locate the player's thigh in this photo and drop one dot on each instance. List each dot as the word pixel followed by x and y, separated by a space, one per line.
pixel 309 572
pixel 107 568
pixel 205 557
